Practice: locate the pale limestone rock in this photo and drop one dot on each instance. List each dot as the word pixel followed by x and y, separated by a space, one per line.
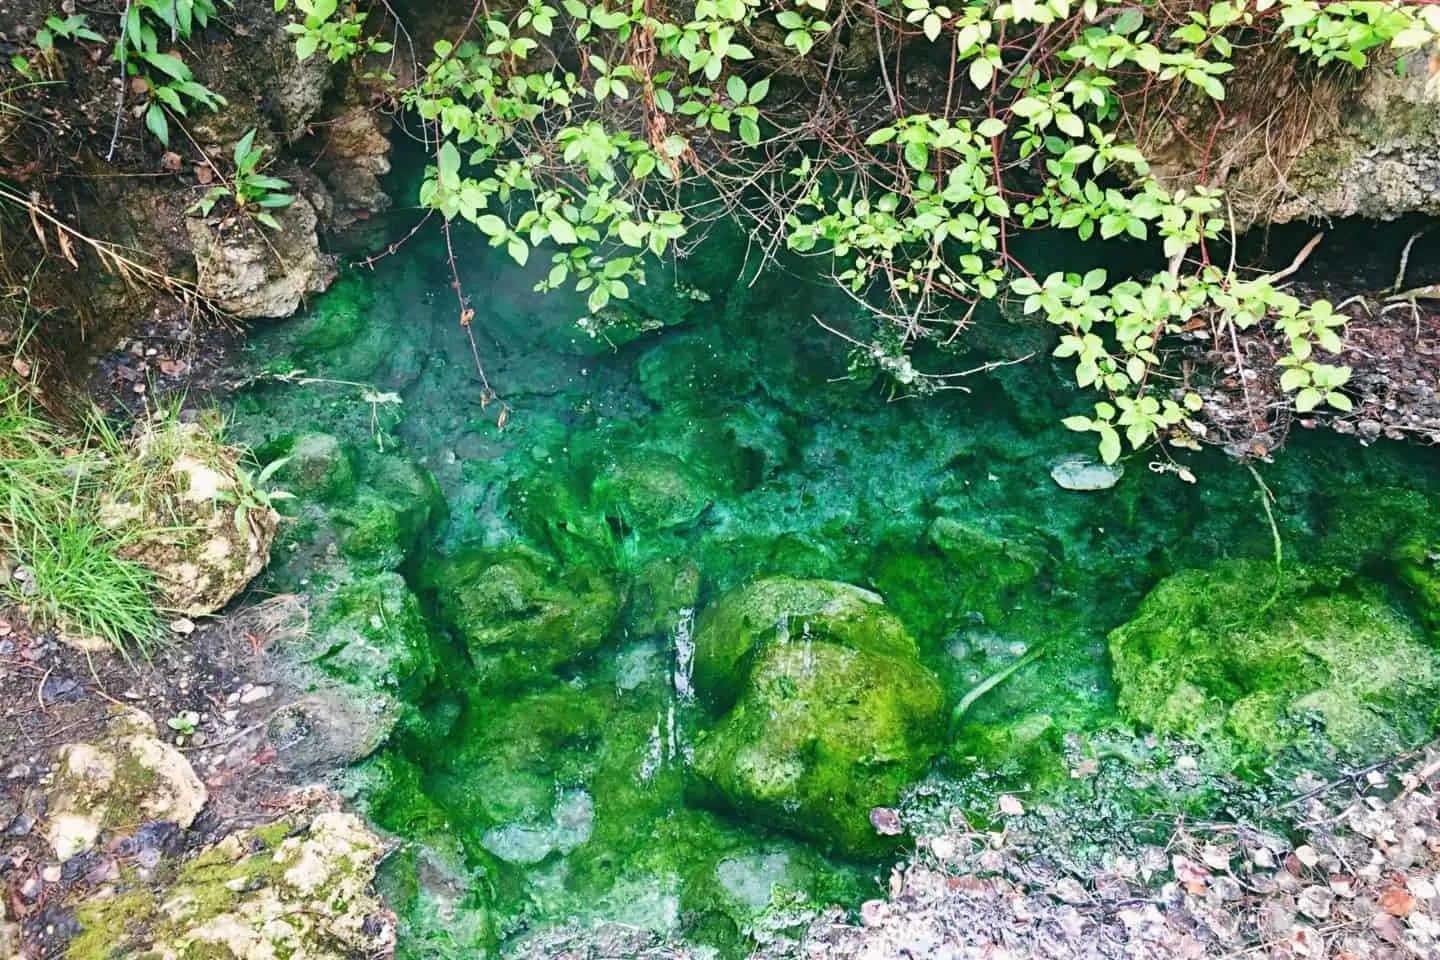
pixel 128 777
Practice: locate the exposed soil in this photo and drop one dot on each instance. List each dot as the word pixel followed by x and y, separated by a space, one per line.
pixel 222 670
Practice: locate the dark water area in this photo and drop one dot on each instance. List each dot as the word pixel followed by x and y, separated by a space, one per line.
pixel 541 764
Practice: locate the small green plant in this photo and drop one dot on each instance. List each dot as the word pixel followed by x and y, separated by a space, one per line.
pixel 338 37
pixel 184 724
pixel 254 193
pixel 253 493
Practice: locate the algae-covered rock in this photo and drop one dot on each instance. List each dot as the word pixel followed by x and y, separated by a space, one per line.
pixel 193 517
pixel 822 734
pixel 400 501
pixel 372 633
pixel 1209 655
pixel 729 630
pixel 1395 530
pixel 661 591
pixel 521 614
pixel 995 560
pixel 318 467
pixel 292 889
pixel 126 777
pixel 650 490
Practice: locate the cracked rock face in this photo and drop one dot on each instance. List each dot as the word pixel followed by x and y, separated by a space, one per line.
pixel 1353 144
pixel 250 271
pixel 129 776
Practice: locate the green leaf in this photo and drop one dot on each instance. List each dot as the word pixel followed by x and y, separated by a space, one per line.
pixel 981 70
pixel 490 225
pixel 518 251
pixel 448 162
pixel 735 88
pixel 1308 399
pixel 157 124
pixel 167 64
pixel 306 46
pixel 917 155
pixel 932 26
pixel 1339 401
pixel 883 135
pixel 750 132
pixel 759 90
pixel 268 220
pixel 1077 423
pixel 1109 444
pixel 1293 379
pixel 991 127
pixel 562 232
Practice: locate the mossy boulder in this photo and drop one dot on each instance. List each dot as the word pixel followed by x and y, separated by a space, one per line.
pixel 730 631
pixel 294 889
pixel 372 633
pixel 318 467
pixel 660 592
pixel 1227 655
pixel 997 560
pixel 649 490
pixel 398 503
pixel 822 734
pixel 521 614
pixel 121 779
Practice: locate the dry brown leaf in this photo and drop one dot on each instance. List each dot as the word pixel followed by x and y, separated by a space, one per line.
pixel 1396 901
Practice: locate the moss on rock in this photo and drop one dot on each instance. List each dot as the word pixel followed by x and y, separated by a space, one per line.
pixel 291 890
pixel 650 491
pixel 729 631
pixel 823 734
pixel 121 780
pixel 319 467
pixel 372 633
pixel 1209 655
pixel 521 614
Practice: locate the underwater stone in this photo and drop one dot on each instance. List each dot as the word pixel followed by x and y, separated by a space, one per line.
pixel 1228 654
pixel 822 734
pixel 1395 528
pixel 662 589
pixel 1082 472
pixel 786 608
pixel 372 633
pixel 751 878
pixel 319 468
pixel 520 613
pixel 650 490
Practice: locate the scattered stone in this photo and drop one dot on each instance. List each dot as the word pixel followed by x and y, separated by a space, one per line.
pixel 1083 472
pixel 183 626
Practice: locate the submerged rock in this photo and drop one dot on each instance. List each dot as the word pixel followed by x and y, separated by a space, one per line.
pixel 1228 652
pixel 294 889
pixel 319 467
pixel 1081 471
pixel 372 634
pixel 1395 530
pixel 822 734
pixel 651 490
pixel 784 608
pixel 127 777
pixel 521 614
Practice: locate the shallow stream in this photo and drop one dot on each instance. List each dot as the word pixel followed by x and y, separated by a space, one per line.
pixel 650 476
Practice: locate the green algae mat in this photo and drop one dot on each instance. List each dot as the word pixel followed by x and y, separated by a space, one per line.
pixel 706 624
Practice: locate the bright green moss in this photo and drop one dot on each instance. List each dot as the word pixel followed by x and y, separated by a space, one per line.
pixel 822 734
pixel 730 630
pixel 1209 656
pixel 519 613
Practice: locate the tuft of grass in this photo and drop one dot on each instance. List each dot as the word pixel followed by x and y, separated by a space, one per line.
pixel 76 580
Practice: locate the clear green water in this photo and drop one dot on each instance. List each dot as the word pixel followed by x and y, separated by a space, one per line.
pixel 569 796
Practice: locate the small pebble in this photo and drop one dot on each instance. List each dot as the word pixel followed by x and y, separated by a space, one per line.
pixel 51 874
pixel 254 694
